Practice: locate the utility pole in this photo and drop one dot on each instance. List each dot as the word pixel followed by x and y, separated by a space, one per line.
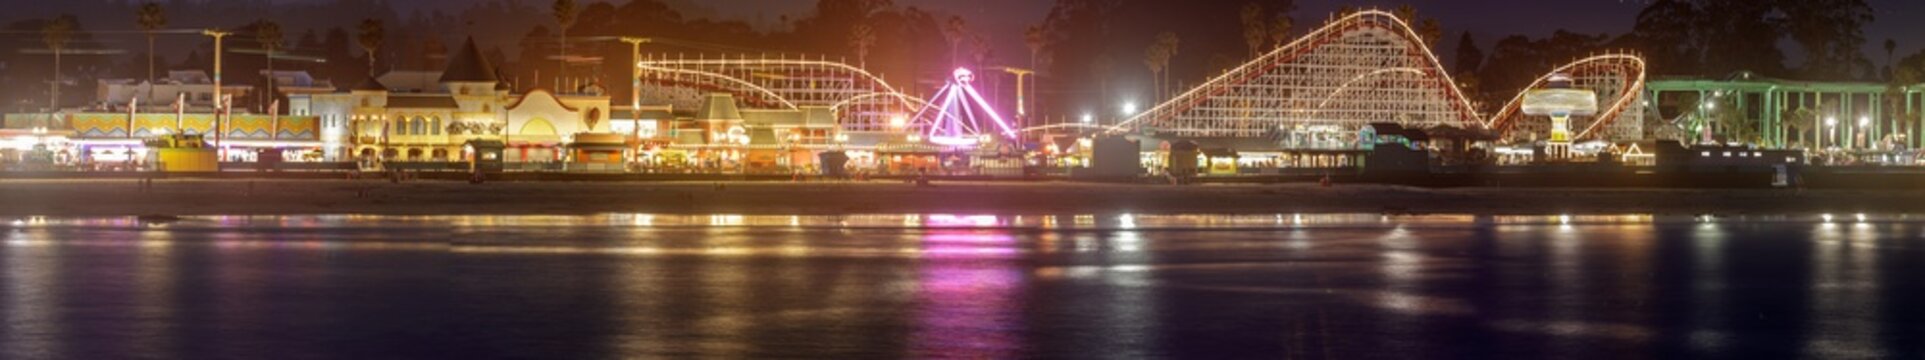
pixel 53 101
pixel 219 102
pixel 635 88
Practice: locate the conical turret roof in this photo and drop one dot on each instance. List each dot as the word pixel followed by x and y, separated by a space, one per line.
pixel 370 84
pixel 469 66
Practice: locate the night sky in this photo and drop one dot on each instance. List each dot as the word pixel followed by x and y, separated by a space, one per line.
pixel 1486 19
pixel 1005 20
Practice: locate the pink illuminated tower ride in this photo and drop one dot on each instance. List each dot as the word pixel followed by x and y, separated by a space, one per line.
pixel 959 117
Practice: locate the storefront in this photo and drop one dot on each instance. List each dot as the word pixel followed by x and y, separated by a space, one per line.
pixel 597 152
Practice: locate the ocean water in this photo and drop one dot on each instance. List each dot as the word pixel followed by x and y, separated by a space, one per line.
pixel 1289 286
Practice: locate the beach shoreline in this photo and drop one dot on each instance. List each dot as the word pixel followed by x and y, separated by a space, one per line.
pixel 377 197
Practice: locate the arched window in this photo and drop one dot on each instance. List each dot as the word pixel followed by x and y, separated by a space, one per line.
pixel 418 127
pixel 434 126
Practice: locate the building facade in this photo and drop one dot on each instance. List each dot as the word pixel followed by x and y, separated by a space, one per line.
pixel 197 88
pixel 373 122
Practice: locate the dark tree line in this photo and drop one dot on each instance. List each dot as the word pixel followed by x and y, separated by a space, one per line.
pixel 1700 38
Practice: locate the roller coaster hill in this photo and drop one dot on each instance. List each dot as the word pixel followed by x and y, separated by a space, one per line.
pixel 1363 91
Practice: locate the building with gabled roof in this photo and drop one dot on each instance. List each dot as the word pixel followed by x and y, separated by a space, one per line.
pixel 375 121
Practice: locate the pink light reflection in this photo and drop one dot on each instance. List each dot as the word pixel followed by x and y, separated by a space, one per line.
pixel 948 220
pixel 967 310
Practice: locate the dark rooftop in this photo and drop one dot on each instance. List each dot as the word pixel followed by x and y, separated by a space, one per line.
pixel 469 66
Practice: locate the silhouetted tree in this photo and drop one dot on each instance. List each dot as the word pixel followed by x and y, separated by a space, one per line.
pixel 151 17
pixel 564 13
pixel 1280 28
pixel 56 34
pixel 1255 31
pixel 861 39
pixel 372 34
pixel 1831 32
pixel 1469 57
pixel 268 34
pixel 1667 33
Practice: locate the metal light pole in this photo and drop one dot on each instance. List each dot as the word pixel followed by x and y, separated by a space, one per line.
pixel 635 78
pixel 53 100
pixel 218 36
pixel 219 102
pixel 1831 123
pixel 1021 109
pixel 635 93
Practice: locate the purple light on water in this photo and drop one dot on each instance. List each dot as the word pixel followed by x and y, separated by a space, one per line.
pixel 962 220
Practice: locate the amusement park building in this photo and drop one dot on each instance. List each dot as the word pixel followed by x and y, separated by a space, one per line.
pixel 191 85
pixel 1787 113
pixel 372 121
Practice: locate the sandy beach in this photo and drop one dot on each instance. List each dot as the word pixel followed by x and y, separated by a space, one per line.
pixel 291 197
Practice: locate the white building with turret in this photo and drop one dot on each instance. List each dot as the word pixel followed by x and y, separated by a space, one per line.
pixel 370 121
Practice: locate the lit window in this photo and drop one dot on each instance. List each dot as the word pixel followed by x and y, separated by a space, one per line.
pixel 1704 154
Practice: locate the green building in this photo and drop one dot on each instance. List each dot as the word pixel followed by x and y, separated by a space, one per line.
pixel 1787 113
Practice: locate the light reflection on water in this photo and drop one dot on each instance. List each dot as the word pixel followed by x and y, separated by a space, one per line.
pixel 965 285
pixel 1123 221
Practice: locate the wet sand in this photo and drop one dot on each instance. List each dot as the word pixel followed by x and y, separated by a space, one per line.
pixel 294 197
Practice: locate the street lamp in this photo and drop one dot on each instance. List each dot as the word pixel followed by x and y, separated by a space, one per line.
pixel 1087 118
pixel 1864 128
pixel 1831 123
pixel 1129 108
pixel 218 36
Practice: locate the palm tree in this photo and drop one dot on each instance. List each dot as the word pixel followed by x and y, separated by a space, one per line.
pixel 56 34
pixel 564 12
pixel 1254 31
pixel 1427 29
pixel 1156 57
pixel 1280 30
pixel 1035 39
pixel 1168 42
pixel 151 17
pixel 956 32
pixel 1891 47
pixel 1801 120
pixel 268 33
pixel 1406 12
pixel 979 51
pixel 862 37
pixel 371 35
pixel 1430 31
